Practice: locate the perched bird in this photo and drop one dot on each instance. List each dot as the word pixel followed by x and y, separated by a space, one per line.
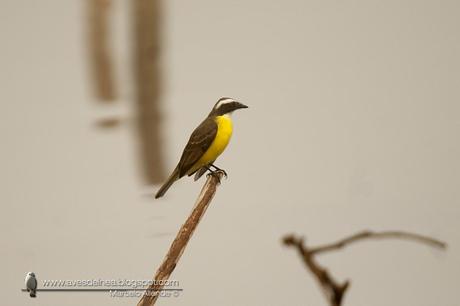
pixel 206 143
pixel 31 284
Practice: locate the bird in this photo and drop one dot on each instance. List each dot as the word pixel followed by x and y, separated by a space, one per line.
pixel 31 284
pixel 206 143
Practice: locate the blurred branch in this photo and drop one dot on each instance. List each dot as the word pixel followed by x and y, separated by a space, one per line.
pixel 109 122
pixel 147 44
pixel 378 235
pixel 182 238
pixel 101 60
pixel 333 290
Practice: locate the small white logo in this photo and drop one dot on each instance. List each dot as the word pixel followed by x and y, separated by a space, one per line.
pixel 31 284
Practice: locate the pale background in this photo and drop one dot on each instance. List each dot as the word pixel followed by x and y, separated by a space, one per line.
pixel 353 123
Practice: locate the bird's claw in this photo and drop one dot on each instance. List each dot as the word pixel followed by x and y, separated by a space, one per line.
pixel 217 174
pixel 217 169
pixel 223 172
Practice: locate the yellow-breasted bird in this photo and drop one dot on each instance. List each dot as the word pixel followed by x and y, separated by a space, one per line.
pixel 206 143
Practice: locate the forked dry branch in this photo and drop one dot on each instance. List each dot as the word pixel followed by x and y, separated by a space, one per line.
pixel 333 290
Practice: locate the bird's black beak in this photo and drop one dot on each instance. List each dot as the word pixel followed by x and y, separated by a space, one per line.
pixel 239 105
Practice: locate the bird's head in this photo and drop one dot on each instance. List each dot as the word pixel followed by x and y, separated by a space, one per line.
pixel 32 274
pixel 226 106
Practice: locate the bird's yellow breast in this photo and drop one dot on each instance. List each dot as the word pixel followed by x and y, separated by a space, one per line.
pixel 223 135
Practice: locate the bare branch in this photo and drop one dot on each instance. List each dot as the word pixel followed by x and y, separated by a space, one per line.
pixel 379 235
pixel 333 290
pixel 180 242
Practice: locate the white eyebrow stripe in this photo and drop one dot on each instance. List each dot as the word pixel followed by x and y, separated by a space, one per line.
pixel 224 101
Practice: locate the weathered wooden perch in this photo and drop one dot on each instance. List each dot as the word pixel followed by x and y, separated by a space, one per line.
pixel 180 242
pixel 333 290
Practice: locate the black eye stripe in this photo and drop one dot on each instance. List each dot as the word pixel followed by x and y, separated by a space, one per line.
pixel 227 107
pixel 224 106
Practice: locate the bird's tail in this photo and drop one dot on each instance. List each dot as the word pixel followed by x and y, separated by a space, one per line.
pixel 171 179
pixel 33 294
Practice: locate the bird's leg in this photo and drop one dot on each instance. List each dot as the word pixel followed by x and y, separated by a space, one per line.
pixel 210 170
pixel 221 170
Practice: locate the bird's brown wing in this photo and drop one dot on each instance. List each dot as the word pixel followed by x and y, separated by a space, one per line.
pixel 200 140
